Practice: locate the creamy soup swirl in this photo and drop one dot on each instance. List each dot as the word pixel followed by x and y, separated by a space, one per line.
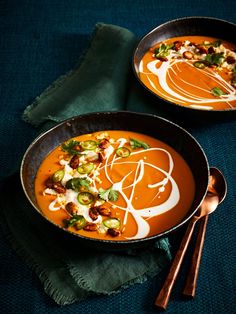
pixel 114 184
pixel 194 71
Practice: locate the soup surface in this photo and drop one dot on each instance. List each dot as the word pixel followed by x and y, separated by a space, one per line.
pixel 193 71
pixel 115 185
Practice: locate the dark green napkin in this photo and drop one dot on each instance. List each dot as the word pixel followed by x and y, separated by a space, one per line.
pixel 67 270
pixel 98 83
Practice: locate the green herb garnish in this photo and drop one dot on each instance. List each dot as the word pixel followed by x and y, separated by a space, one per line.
pixel 77 183
pixel 215 43
pixel 216 91
pixel 200 64
pixel 123 152
pixel 134 143
pixel 163 51
pixel 108 195
pixel 215 58
pixel 76 220
pixel 70 147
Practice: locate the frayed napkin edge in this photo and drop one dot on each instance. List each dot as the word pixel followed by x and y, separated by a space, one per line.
pixel 51 291
pixel 165 257
pixel 58 297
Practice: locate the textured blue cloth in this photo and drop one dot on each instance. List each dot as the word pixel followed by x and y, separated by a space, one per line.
pixel 41 40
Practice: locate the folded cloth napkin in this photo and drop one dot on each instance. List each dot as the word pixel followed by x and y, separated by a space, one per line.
pixel 99 82
pixel 67 271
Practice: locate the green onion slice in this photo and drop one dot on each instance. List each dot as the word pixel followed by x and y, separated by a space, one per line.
pixel 85 198
pixel 74 220
pixel 216 91
pixel 88 145
pixel 58 175
pixel 80 223
pixel 112 223
pixel 123 152
pixel 200 64
pixel 85 168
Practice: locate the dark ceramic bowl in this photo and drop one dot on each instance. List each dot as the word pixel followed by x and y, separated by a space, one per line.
pixel 154 126
pixel 189 26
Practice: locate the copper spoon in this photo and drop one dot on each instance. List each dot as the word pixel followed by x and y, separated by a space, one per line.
pixel 212 201
pixel 218 187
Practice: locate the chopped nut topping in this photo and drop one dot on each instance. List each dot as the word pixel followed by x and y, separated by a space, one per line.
pixel 93 213
pixel 56 186
pixel 90 227
pixel 104 211
pixel 74 162
pixel 104 143
pixel 177 45
pixel 188 55
pixel 71 207
pixel 113 232
pixel 230 60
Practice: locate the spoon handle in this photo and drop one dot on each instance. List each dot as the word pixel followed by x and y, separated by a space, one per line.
pixel 164 294
pixel 191 282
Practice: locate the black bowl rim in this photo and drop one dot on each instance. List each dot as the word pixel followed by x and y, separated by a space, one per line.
pixel 190 109
pixel 102 241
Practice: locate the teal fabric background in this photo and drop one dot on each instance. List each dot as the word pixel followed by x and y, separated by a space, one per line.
pixel 42 40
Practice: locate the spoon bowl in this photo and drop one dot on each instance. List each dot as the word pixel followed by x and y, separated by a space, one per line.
pixel 217 184
pixel 216 193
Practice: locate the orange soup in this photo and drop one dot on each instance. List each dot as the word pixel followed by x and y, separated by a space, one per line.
pixel 117 185
pixel 193 71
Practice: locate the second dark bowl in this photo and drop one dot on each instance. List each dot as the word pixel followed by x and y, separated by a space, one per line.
pixel 188 26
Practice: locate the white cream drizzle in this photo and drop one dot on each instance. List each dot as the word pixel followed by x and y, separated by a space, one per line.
pixel 139 168
pixel 178 94
pixel 139 215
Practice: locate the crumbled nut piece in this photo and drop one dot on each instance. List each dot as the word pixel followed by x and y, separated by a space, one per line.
pixel 74 162
pixel 90 227
pixel 78 148
pixel 101 156
pixel 56 186
pixel 93 213
pixel 211 50
pixel 71 207
pixel 103 135
pixel 188 55
pixel 202 49
pixel 230 60
pixel 177 45
pixel 104 143
pixel 113 232
pixel 104 211
pixel 163 59
pixel 98 180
